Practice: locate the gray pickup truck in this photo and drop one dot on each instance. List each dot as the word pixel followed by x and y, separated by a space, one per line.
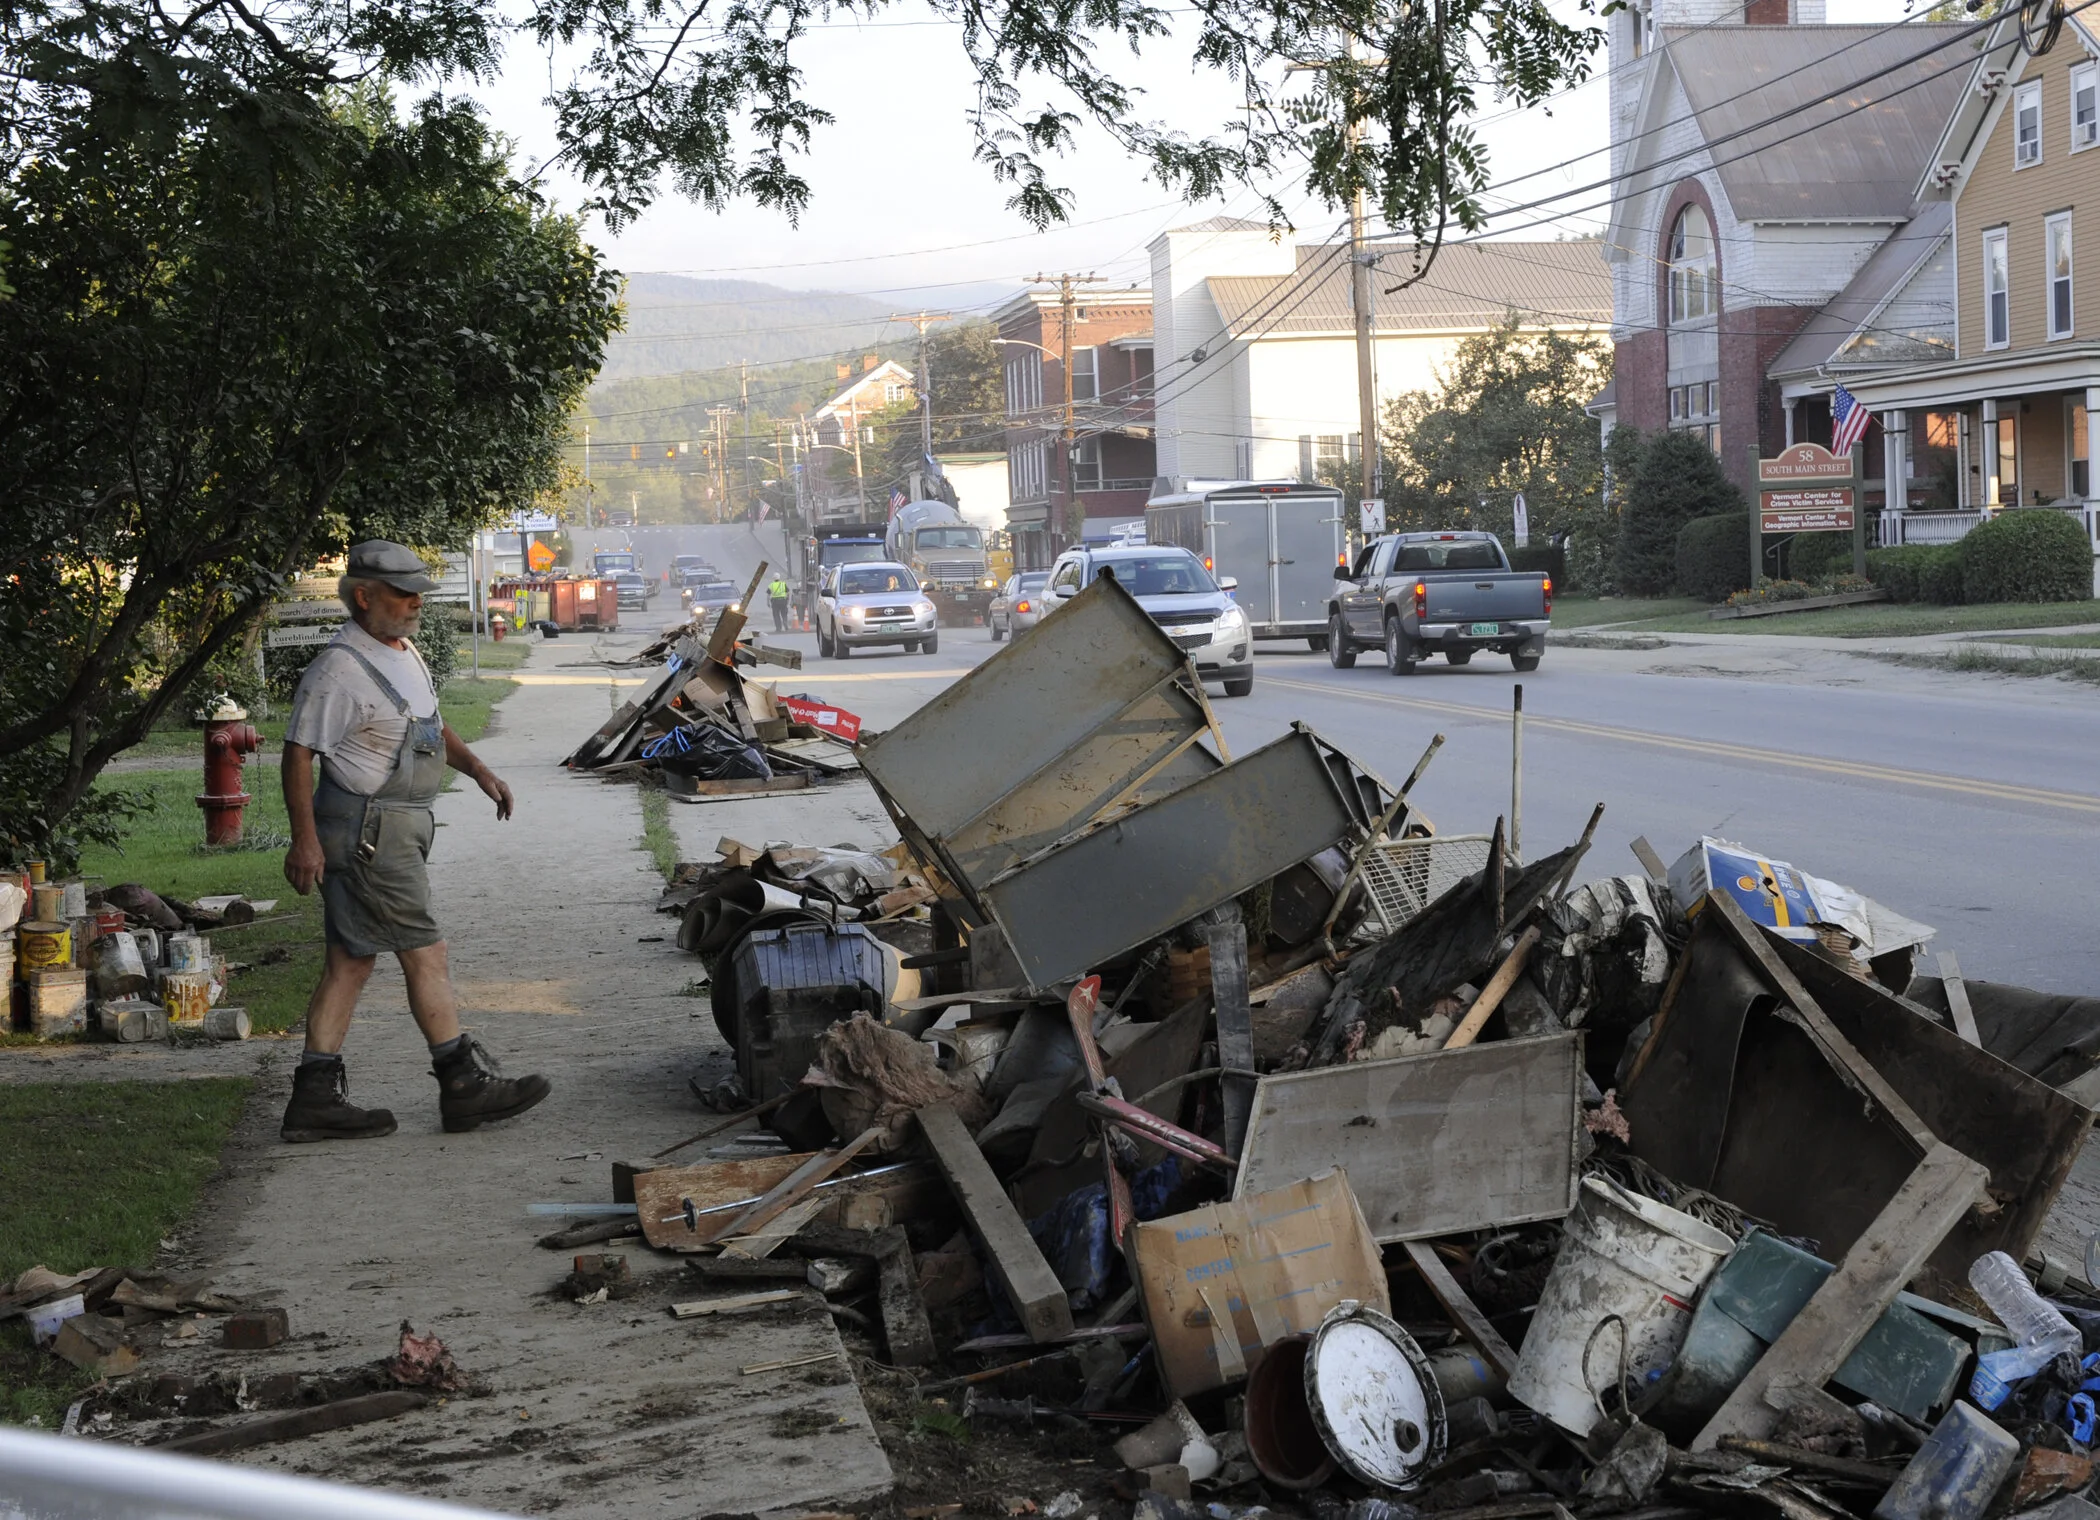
pixel 1416 594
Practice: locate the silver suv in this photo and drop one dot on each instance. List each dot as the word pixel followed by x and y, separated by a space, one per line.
pixel 1193 610
pixel 874 602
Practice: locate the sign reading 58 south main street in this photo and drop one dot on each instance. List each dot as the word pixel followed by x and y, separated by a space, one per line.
pixel 1807 489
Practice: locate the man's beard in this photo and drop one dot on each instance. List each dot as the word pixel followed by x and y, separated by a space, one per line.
pixel 406 626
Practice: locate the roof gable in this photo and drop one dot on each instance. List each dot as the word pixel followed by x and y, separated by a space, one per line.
pixel 1470 285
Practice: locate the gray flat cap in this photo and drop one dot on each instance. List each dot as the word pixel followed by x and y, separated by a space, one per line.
pixel 381 559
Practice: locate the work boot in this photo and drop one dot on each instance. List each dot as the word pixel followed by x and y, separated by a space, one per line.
pixel 321 1108
pixel 471 1093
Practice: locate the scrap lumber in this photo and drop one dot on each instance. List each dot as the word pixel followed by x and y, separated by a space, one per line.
pixel 1471 1322
pixel 700 1307
pixel 790 1189
pixel 1909 1228
pixel 1958 999
pixel 1228 991
pixel 337 1415
pixel 1842 1055
pixel 905 1327
pixel 1497 989
pixel 1031 1286
pixel 1651 863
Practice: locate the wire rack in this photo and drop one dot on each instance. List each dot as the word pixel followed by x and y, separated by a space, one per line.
pixel 1407 875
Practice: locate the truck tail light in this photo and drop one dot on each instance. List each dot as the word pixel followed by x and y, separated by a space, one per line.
pixel 1421 601
pixel 1208 566
pixel 1549 596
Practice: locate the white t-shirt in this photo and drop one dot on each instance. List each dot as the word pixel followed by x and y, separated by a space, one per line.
pixel 340 713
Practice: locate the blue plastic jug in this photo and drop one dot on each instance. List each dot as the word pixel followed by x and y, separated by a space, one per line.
pixel 1955 1473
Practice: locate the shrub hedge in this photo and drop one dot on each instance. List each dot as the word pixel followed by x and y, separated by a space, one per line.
pixel 1815 557
pixel 1713 556
pixel 2033 554
pixel 1678 480
pixel 1918 573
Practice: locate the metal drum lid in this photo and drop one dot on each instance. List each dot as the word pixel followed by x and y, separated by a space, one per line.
pixel 1374 1397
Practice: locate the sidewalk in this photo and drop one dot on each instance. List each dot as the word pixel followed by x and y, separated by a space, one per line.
pixel 604 1410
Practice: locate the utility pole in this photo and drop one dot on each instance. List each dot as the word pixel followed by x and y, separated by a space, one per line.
pixel 1067 298
pixel 587 477
pixel 922 320
pixel 860 480
pixel 743 380
pixel 717 421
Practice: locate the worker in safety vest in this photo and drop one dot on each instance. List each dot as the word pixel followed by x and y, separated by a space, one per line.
pixel 777 594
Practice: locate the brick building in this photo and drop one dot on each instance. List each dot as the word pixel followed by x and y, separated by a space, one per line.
pixel 1110 472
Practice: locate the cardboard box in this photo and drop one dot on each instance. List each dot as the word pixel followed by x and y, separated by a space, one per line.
pixel 1223 1283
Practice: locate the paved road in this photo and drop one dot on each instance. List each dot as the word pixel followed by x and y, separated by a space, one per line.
pixel 735 549
pixel 1971 803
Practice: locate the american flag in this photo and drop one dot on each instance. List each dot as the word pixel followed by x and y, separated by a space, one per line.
pixel 896 502
pixel 1848 422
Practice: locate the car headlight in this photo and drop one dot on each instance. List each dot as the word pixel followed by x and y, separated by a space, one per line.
pixel 855 614
pixel 989 583
pixel 1232 617
pixel 923 609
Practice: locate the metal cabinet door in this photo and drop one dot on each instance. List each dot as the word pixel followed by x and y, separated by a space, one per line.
pixel 1239 546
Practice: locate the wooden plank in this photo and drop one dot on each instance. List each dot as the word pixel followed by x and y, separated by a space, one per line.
pixel 1843 1056
pixel 1958 999
pixel 1805 604
pixel 659 1196
pixel 337 1415
pixel 1463 1311
pixel 701 1307
pixel 1497 989
pixel 761 1243
pixel 1031 1287
pixel 790 1190
pixel 905 1327
pixel 1932 1200
pixel 1228 993
pixel 1651 862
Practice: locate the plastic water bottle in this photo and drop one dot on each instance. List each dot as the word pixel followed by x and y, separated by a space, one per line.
pixel 2031 1320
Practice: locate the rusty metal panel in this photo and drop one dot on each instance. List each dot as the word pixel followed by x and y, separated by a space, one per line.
pixel 1078 784
pixel 1041 700
pixel 1434 1144
pixel 1139 876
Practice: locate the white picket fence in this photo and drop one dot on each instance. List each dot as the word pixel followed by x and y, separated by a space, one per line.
pixel 1893 528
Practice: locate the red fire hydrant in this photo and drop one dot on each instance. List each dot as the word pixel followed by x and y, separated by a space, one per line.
pixel 228 740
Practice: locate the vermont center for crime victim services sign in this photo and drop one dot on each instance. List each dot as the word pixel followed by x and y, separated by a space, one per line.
pixel 1807 489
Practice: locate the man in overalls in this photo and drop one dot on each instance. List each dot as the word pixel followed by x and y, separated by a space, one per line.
pixel 368 708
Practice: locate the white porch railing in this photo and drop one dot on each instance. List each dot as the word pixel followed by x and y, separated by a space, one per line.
pixel 1893 528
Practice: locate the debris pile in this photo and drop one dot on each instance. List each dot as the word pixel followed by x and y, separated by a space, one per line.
pixel 121 963
pixel 705 732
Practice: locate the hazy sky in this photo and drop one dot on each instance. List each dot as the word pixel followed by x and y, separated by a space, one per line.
pixel 900 209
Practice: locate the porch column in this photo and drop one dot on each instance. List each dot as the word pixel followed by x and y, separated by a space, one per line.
pixel 1790 402
pixel 1895 456
pixel 1988 442
pixel 2092 443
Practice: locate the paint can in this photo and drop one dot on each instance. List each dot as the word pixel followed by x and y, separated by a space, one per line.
pixel 111 921
pixel 75 898
pixel 47 902
pixel 119 970
pixel 148 941
pixel 7 972
pixel 57 1003
pixel 187 997
pixel 187 952
pixel 133 1021
pixel 36 871
pixel 227 1024
pixel 44 944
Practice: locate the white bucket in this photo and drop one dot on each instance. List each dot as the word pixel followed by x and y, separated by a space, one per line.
pixel 1624 1256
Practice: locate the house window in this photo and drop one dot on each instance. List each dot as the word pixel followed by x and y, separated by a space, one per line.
pixel 1677 406
pixel 2058 241
pixel 1997 290
pixel 1086 373
pixel 2085 106
pixel 1024 385
pixel 1141 372
pixel 1694 288
pixel 892 392
pixel 2027 125
pixel 2081 471
pixel 1086 462
pixel 1025 475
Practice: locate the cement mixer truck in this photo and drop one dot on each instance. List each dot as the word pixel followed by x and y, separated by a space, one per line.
pixel 946 553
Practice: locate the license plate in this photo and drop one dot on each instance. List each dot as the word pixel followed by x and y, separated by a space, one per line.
pixel 1484 630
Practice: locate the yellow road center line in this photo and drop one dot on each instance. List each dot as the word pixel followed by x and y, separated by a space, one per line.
pixel 1857 770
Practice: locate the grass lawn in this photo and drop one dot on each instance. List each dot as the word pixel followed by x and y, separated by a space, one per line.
pixel 1589 611
pixel 1883 620
pixel 2075 667
pixel 2055 640
pixel 95 1175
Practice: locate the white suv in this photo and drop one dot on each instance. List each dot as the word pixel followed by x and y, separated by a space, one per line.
pixel 873 602
pixel 1196 612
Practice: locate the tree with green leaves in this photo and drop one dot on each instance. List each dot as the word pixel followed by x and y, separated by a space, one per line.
pixel 711 100
pixel 226 366
pixel 969 407
pixel 1507 417
pixel 1678 478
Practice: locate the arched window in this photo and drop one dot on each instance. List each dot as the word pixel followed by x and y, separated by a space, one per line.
pixel 1694 287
